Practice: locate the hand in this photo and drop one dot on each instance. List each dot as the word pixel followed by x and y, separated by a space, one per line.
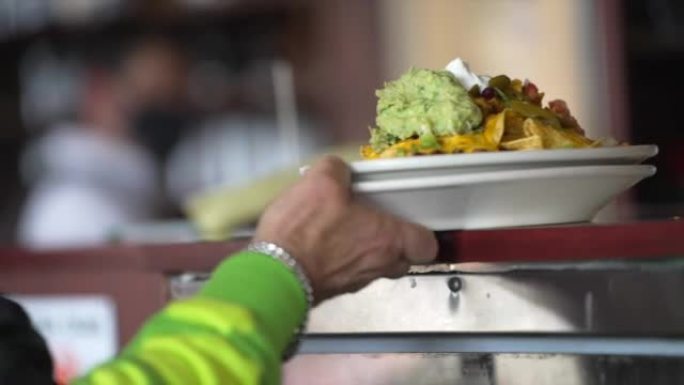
pixel 341 244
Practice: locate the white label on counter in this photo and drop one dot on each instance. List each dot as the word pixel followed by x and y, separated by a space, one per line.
pixel 80 330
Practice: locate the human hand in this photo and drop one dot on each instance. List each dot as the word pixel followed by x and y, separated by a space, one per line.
pixel 341 244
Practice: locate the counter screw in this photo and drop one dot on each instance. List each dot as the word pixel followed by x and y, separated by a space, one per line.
pixel 454 284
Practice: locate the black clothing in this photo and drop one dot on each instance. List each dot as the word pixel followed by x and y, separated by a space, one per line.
pixel 24 357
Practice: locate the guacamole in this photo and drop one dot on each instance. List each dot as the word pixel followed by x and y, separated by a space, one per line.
pixel 425 104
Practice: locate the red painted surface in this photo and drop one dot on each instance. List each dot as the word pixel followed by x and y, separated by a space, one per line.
pixel 168 259
pixel 651 239
pixel 638 240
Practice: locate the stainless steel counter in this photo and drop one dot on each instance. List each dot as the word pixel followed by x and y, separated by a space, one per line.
pixel 616 298
pixel 589 323
pixel 588 299
pixel 482 369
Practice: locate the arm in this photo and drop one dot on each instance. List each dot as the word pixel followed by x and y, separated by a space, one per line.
pixel 235 328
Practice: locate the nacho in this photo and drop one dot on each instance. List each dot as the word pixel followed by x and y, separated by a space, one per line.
pixel 437 117
pixel 555 138
pixel 483 141
pixel 534 142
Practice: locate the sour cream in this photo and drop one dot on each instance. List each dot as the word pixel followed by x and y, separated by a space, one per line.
pixel 465 76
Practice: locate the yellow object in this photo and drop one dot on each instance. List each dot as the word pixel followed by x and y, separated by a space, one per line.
pixel 485 140
pixel 513 129
pixel 212 314
pixel 216 213
pixel 495 125
pixel 507 130
pixel 554 138
pixel 529 143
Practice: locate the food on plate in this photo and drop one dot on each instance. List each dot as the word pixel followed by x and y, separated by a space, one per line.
pixel 423 105
pixel 456 111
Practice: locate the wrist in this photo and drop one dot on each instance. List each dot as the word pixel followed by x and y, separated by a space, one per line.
pixel 278 253
pixel 264 286
pixel 299 251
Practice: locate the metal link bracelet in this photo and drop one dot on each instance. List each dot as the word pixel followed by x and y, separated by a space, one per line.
pixel 276 252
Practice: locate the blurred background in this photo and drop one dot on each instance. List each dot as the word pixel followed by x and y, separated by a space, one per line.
pixel 115 112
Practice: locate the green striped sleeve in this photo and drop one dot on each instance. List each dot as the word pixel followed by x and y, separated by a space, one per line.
pixel 232 332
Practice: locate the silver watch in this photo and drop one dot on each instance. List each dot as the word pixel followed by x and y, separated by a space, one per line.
pixel 276 252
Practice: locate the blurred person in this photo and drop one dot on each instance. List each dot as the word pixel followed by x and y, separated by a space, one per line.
pixel 102 170
pixel 233 149
pixel 238 327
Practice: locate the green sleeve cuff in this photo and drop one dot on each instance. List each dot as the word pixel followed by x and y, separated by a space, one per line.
pixel 265 286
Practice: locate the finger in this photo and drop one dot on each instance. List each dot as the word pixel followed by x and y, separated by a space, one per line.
pixel 399 269
pixel 419 244
pixel 361 282
pixel 333 167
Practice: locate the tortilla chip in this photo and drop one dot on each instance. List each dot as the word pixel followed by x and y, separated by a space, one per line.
pixel 555 138
pixel 494 127
pixel 529 143
pixel 466 143
pixel 514 126
pixel 507 130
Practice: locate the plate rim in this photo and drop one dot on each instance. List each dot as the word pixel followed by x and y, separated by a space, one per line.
pixel 492 158
pixel 438 181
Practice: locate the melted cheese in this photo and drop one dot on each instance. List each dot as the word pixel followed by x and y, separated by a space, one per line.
pixel 447 145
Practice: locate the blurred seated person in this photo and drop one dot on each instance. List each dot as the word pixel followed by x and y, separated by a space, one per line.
pixel 102 169
pixel 233 149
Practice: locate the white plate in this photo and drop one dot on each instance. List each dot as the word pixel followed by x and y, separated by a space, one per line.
pixel 458 164
pixel 528 197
